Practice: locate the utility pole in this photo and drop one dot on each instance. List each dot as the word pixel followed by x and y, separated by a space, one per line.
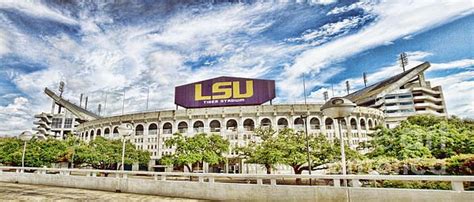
pixel 85 105
pixel 61 90
pixel 365 79
pixel 403 59
pixel 80 99
pixel 348 87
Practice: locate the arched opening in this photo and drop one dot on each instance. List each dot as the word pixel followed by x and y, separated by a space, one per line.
pixel 153 129
pixel 370 124
pixel 139 130
pixel 315 124
pixel 329 123
pixel 266 123
pixel 249 125
pixel 92 135
pixel 167 128
pixel 106 132
pixel 282 123
pixel 343 124
pixel 375 123
pixel 362 124
pixel 198 127
pixel 215 126
pixel 353 124
pixel 298 124
pixel 231 125
pixel 99 133
pixel 87 136
pixel 183 127
pixel 115 132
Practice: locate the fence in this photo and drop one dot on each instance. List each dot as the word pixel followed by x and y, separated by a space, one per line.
pixel 217 186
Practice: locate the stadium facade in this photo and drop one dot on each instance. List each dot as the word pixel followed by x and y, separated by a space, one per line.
pixel 234 108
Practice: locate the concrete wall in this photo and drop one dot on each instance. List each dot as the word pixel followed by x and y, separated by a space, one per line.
pixel 233 191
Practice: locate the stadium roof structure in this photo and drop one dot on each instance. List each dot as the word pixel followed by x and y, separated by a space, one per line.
pixel 368 95
pixel 79 112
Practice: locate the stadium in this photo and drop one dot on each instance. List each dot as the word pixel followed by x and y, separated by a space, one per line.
pixel 234 107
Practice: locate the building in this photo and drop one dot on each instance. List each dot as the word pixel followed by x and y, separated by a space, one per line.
pixel 403 95
pixel 68 117
pixel 221 106
pixel 237 124
pixel 55 125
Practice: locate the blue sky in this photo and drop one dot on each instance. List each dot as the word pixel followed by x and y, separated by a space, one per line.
pixel 103 49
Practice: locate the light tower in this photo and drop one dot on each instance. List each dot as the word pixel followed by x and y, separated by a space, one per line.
pixel 403 59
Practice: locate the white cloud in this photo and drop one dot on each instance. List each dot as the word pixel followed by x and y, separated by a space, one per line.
pixel 364 4
pixel 4 44
pixel 108 60
pixel 458 90
pixel 330 30
pixel 416 17
pixel 35 8
pixel 457 64
pixel 14 116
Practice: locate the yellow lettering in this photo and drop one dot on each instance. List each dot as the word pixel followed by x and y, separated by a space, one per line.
pixel 220 89
pixel 248 89
pixel 198 93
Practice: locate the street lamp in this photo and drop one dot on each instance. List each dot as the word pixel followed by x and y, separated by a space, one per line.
pixel 25 137
pixel 305 120
pixel 124 130
pixel 338 108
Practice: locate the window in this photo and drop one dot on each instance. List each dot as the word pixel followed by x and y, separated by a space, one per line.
pixel 57 122
pixel 139 130
pixel 182 127
pixel 390 104
pixel 314 123
pixel 152 129
pixel 353 124
pixel 298 124
pixel 231 125
pixel 167 128
pixel 329 123
pixel 249 125
pixel 405 103
pixel 198 127
pixel 282 123
pixel 391 111
pixel 215 126
pixel 389 97
pixel 266 123
pixel 406 110
pixel 404 96
pixel 68 123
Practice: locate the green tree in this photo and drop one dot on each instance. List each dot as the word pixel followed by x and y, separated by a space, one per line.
pixel 289 147
pixel 196 150
pixel 101 153
pixel 266 152
pixel 10 150
pixel 425 136
pixel 38 152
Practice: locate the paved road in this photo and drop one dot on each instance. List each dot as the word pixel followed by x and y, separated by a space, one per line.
pixel 23 192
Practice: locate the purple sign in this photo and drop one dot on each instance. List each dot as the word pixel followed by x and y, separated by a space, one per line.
pixel 224 91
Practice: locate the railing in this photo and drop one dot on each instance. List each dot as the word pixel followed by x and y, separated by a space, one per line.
pixel 259 179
